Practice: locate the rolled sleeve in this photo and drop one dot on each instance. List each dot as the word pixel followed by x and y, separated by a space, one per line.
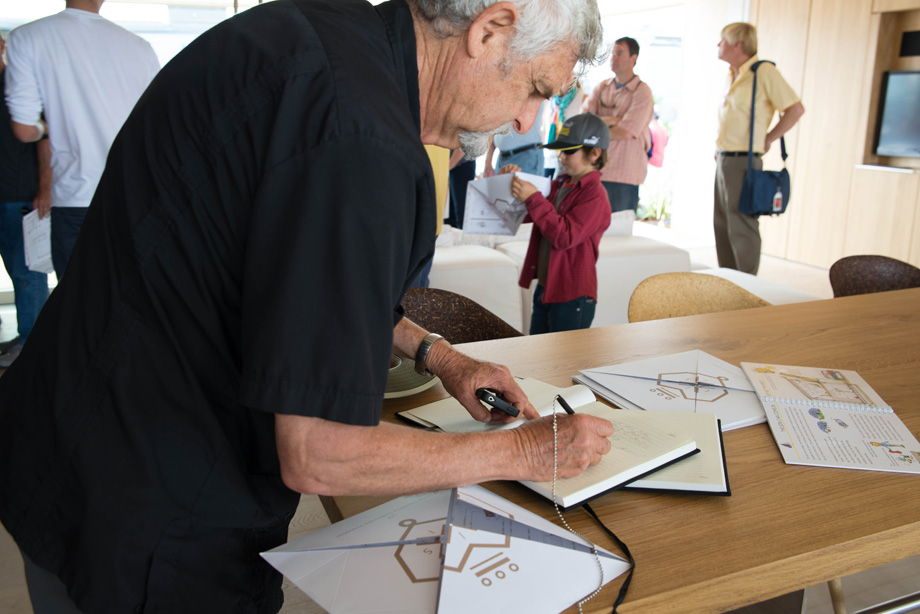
pixel 23 97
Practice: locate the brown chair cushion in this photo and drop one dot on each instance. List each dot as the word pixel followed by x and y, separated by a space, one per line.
pixel 867 274
pixel 453 316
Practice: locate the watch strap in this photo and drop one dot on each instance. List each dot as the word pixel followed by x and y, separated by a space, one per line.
pixel 421 356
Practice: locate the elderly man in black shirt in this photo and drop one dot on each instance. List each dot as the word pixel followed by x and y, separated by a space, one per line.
pixel 222 338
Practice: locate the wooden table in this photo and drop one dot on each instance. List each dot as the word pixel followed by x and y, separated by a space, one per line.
pixel 785 527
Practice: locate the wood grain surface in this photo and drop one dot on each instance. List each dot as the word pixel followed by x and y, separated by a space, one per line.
pixel 785 527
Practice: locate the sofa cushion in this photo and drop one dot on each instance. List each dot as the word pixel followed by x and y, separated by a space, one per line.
pixel 623 261
pixel 484 275
pixel 770 291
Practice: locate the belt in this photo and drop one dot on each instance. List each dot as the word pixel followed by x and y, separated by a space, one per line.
pixel 733 154
pixel 505 154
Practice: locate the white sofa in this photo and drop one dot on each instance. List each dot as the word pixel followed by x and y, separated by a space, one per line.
pixel 770 291
pixel 486 269
pixel 622 263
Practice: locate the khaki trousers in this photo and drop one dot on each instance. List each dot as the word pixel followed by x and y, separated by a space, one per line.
pixel 737 235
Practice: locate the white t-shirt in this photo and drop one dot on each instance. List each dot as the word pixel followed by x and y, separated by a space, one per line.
pixel 85 74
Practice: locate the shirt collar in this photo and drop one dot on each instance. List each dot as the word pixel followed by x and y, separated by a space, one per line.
pixel 630 85
pixel 592 177
pixel 746 67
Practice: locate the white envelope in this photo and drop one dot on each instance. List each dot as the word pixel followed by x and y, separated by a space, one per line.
pixel 449 551
pixel 691 381
pixel 490 207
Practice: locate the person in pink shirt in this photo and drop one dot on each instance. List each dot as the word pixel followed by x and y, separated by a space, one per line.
pixel 625 104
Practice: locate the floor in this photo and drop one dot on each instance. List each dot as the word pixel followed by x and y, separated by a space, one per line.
pixel 863 589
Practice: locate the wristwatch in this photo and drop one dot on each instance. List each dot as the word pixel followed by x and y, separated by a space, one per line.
pixel 421 356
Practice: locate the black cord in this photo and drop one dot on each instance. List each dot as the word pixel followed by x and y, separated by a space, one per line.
pixel 622 595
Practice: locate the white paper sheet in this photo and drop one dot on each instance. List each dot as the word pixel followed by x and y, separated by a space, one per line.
pixel 490 207
pixel 449 551
pixel 36 238
pixel 691 381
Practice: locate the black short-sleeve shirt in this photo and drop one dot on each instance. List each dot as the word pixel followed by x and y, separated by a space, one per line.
pixel 262 211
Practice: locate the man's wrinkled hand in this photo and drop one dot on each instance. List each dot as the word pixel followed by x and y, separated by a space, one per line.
pixel 582 441
pixel 462 376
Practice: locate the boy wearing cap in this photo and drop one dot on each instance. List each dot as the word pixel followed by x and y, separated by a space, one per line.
pixel 568 226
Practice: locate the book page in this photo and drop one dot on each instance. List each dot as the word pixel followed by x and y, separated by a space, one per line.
pixel 703 472
pixel 451 417
pixel 832 418
pixel 639 444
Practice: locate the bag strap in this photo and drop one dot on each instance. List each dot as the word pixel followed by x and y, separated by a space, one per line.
pixel 782 139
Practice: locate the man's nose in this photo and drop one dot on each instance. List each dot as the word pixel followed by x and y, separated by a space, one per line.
pixel 525 121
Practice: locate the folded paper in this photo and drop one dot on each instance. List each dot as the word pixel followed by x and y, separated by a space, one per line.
pixel 490 207
pixel 449 551
pixel 691 381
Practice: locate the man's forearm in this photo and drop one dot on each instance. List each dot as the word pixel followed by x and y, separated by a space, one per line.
pixel 329 458
pixel 29 134
pixel 787 120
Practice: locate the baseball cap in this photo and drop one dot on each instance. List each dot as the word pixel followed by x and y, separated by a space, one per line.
pixel 584 130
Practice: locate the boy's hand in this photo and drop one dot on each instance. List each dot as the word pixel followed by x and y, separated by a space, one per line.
pixel 522 190
pixel 509 168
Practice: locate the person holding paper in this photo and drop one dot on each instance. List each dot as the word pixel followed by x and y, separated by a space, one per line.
pixel 25 183
pixel 222 338
pixel 568 226
pixel 74 76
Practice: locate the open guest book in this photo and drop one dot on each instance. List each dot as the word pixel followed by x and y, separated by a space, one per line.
pixel 832 418
pixel 645 451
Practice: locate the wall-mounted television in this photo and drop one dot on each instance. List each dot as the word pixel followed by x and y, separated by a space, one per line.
pixel 899 119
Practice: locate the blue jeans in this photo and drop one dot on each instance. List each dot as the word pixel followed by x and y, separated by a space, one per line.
pixel 30 289
pixel 530 161
pixel 556 317
pixel 422 280
pixel 622 196
pixel 65 226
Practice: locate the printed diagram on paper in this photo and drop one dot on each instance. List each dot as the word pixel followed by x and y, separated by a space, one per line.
pixel 490 207
pixel 477 556
pixel 827 385
pixel 832 418
pixel 691 381
pixel 445 552
pixel 698 387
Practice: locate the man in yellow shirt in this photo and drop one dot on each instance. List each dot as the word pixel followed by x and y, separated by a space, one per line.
pixel 738 235
pixel 440 164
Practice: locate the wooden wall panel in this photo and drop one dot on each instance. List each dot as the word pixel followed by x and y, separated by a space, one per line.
pixel 914 257
pixel 893 25
pixel 838 39
pixel 782 34
pixel 881 217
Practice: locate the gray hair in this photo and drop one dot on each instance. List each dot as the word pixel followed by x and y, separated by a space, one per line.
pixel 542 25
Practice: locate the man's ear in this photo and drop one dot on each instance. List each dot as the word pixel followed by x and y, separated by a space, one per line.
pixel 495 25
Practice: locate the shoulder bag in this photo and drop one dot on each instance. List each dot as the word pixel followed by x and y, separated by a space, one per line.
pixel 763 192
